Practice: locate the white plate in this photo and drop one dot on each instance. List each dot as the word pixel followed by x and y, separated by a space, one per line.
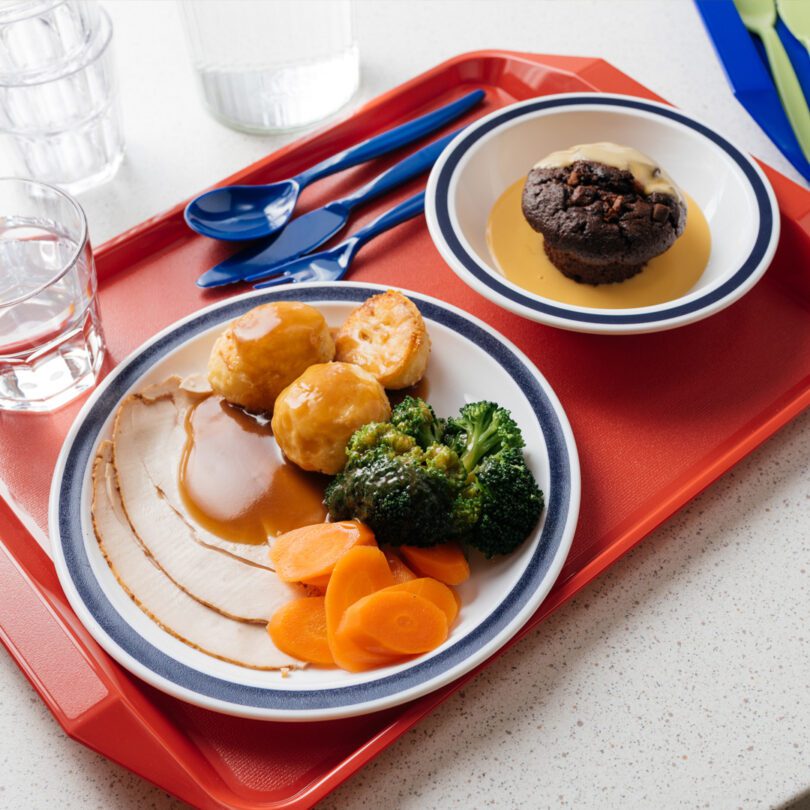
pixel 500 148
pixel 469 362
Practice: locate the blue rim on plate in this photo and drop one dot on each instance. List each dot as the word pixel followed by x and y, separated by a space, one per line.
pixel 745 275
pixel 154 665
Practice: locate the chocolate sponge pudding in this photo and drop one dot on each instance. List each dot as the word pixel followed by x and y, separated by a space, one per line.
pixel 604 211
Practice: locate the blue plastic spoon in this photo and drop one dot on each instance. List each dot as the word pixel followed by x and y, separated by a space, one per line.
pixel 310 230
pixel 237 213
pixel 333 264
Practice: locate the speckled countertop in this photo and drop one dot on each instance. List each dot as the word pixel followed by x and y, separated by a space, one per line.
pixel 677 679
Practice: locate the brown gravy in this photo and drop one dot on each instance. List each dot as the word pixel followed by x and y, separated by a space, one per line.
pixel 235 482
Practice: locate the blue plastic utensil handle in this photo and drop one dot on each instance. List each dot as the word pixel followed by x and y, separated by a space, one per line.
pixel 412 166
pixel 749 78
pixel 391 140
pixel 399 213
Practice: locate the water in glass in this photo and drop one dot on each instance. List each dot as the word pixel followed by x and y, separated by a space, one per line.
pixel 51 344
pixel 272 65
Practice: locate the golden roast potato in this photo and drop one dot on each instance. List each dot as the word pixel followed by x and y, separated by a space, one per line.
pixel 387 337
pixel 316 414
pixel 265 349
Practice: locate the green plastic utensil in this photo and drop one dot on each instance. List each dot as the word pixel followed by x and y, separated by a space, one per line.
pixel 795 15
pixel 759 17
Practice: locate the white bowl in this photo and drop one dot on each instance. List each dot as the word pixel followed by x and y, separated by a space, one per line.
pixel 499 149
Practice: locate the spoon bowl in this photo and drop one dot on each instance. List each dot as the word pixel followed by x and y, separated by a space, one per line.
pixel 238 213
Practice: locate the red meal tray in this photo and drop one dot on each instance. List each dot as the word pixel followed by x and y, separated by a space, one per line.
pixel 657 418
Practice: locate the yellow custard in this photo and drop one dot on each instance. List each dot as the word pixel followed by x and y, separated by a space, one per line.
pixel 645 170
pixel 517 252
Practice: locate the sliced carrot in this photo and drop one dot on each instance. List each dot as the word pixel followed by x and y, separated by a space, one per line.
pixel 353 657
pixel 309 554
pixel 398 568
pixel 298 628
pixel 434 591
pixel 359 572
pixel 393 622
pixel 445 562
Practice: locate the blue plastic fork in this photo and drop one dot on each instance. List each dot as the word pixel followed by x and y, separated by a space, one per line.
pixel 333 264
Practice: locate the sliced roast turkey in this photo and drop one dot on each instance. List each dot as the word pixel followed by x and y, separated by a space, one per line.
pixel 164 437
pixel 174 610
pixel 145 464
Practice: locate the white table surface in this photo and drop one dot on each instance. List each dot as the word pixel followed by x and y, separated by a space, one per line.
pixel 677 679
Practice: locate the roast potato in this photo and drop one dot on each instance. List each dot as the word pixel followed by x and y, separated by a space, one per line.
pixel 316 414
pixel 265 349
pixel 386 336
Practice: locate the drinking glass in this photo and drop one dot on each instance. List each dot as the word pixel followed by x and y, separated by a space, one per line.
pixel 51 343
pixel 58 99
pixel 38 34
pixel 272 65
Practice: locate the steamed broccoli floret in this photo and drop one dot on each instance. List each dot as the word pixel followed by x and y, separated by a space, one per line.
pixel 417 481
pixel 416 418
pixel 510 503
pixel 404 493
pixel 482 429
pixel 401 499
pixel 443 459
pixel 500 503
pixel 377 439
pixel 466 509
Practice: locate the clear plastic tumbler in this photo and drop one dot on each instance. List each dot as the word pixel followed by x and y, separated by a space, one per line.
pixel 58 100
pixel 51 343
pixel 271 65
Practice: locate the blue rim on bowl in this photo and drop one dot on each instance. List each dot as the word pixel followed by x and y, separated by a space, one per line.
pixel 445 231
pixel 71 535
